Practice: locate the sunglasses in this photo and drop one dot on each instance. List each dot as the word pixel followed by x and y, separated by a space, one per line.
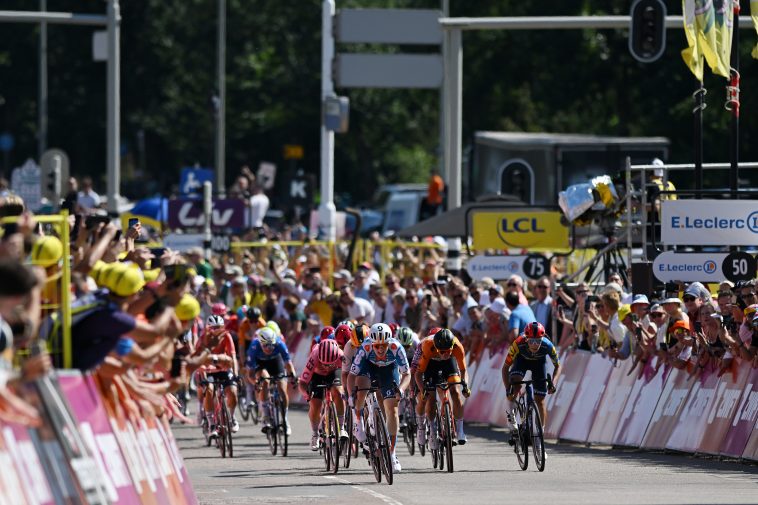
pixel 380 347
pixel 512 285
pixel 656 314
pixel 688 298
pixel 582 292
pixel 533 341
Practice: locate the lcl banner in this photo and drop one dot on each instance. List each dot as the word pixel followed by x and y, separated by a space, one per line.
pixel 529 230
pixel 187 213
pixel 709 222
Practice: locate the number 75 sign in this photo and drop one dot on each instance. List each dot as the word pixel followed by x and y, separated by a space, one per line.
pixel 502 267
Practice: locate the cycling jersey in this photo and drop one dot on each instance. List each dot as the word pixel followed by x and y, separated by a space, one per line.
pixel 430 353
pixel 395 356
pixel 314 366
pixel 520 349
pixel 247 329
pixel 256 354
pixel 348 354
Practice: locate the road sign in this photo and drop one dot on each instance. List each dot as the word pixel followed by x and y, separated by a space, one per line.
pixel 688 267
pixel 495 267
pixel 54 165
pixel 188 213
pixel 536 265
pixel 389 26
pixel 192 179
pixel 25 182
pixel 361 70
pixel 7 142
pixel 739 266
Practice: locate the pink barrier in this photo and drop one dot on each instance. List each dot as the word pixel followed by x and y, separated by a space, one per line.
pixel 587 399
pixel 745 423
pixel 670 406
pixel 640 405
pixel 485 401
pixel 611 408
pixel 573 365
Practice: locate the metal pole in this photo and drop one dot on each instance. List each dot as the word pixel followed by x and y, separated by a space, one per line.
pixel 454 97
pixel 443 124
pixel 221 113
pixel 699 97
pixel 113 161
pixel 207 215
pixel 629 225
pixel 42 103
pixel 327 211
pixel 733 94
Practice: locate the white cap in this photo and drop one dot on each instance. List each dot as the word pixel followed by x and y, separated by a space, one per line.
pixel 658 172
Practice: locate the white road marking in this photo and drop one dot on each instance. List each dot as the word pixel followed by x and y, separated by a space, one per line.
pixel 386 499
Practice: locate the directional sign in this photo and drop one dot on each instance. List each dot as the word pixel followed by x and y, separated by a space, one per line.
pixel 536 265
pixel 495 267
pixel 739 266
pixel 182 242
pixel 186 213
pixel 221 243
pixel 689 267
pixel 192 179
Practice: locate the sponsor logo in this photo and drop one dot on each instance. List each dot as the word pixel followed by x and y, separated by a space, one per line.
pixel 708 267
pixel 716 223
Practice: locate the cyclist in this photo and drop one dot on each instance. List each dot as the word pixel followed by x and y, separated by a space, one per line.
pixel 252 322
pixel 267 357
pixel 437 364
pixel 381 359
pixel 322 369
pixel 218 341
pixel 530 351
pixel 409 340
pixel 353 340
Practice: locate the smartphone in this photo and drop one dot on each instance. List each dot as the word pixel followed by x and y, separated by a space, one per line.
pixel 133 221
pixel 443 279
pixel 176 366
pixel 117 236
pixel 635 318
pixel 428 300
pixel 92 221
pixel 698 326
pixel 157 251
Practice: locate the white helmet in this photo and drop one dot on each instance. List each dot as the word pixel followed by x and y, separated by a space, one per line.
pixel 266 336
pixel 214 321
pixel 380 333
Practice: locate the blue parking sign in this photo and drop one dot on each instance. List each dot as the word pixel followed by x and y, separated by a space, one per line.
pixel 192 179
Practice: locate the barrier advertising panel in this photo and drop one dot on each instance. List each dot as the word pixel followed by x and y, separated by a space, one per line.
pixel 559 404
pixel 724 410
pixel 620 384
pixel 578 422
pixel 485 385
pixel 744 422
pixel 691 424
pixel 640 405
pixel 671 403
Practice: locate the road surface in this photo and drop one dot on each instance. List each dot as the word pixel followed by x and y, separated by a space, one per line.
pixel 486 473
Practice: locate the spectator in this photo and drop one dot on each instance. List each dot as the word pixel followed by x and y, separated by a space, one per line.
pixel 694 297
pixel 361 285
pixel 342 278
pixel 515 284
pixel 358 309
pixel 382 305
pixel 393 285
pixel 542 306
pixel 397 314
pixel 196 258
pixel 259 204
pixel 521 314
pixel 71 196
pixel 414 311
pixel 372 276
pixel 87 200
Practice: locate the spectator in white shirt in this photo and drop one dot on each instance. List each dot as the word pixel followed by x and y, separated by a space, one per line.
pixel 259 204
pixel 359 310
pixel 87 200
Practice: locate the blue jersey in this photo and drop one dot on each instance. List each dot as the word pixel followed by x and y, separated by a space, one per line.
pixel 255 353
pixel 395 356
pixel 520 348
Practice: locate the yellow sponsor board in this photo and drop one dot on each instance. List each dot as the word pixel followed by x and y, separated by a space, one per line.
pixel 519 230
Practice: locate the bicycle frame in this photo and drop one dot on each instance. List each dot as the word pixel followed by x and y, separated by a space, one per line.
pixel 377 436
pixel 444 422
pixel 278 429
pixel 329 429
pixel 529 427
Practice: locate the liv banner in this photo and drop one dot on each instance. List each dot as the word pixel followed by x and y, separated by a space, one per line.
pixel 709 222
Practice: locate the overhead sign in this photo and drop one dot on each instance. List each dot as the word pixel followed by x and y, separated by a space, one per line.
pixel 389 26
pixel 192 179
pixel 709 222
pixel 689 267
pixel 495 267
pixel 361 70
pixel 739 266
pixel 183 242
pixel 538 230
pixel 186 213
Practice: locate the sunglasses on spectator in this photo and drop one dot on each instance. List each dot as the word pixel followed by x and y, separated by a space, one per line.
pixel 512 284
pixel 688 298
pixel 583 292
pixel 751 294
pixel 657 314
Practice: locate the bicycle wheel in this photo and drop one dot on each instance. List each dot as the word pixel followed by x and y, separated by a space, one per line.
pixel 221 425
pixel 242 408
pixel 282 431
pixel 384 444
pixel 374 455
pixel 519 444
pixel 448 433
pixel 440 441
pixel 228 430
pixel 333 445
pixel 422 447
pixel 271 433
pixel 347 445
pixel 538 441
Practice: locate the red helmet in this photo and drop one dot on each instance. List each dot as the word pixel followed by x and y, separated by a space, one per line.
pixel 218 309
pixel 327 333
pixel 329 352
pixel 433 331
pixel 342 334
pixel 393 328
pixel 534 330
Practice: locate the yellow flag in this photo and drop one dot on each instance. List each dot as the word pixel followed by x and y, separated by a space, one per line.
pixel 692 56
pixel 699 26
pixel 724 28
pixel 754 15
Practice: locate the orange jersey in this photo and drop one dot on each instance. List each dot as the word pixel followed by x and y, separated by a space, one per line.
pixel 247 329
pixel 429 352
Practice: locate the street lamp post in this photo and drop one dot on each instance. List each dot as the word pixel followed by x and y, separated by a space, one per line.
pixel 221 110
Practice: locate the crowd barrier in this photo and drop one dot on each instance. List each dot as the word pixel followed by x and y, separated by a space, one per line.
pixel 602 402
pixel 92 447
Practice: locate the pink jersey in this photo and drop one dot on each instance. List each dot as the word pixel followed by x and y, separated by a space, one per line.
pixel 315 366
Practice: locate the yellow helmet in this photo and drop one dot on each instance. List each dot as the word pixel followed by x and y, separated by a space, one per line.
pixel 188 308
pixel 151 275
pixel 47 251
pixel 125 279
pixel 97 271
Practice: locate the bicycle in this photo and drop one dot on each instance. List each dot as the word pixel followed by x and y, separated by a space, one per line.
pixel 528 429
pixel 408 411
pixel 221 415
pixel 329 430
pixel 248 411
pixel 442 427
pixel 348 447
pixel 277 432
pixel 377 445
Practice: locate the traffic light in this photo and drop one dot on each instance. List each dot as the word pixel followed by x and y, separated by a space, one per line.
pixel 647 33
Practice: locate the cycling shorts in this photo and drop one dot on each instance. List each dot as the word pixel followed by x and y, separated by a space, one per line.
pixel 538 367
pixel 330 380
pixel 274 367
pixel 440 370
pixel 387 378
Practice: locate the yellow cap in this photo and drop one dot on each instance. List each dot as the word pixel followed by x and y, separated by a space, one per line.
pixel 188 308
pixel 151 275
pixel 624 311
pixel 125 279
pixel 97 270
pixel 47 251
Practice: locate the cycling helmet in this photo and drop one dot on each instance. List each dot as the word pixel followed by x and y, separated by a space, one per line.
pixel 393 328
pixel 405 336
pixel 329 352
pixel 342 334
pixel 241 312
pixel 218 309
pixel 348 323
pixel 266 336
pixel 254 313
pixel 380 333
pixel 359 335
pixel 443 340
pixel 327 333
pixel 214 321
pixel 433 331
pixel 534 330
pixel 274 327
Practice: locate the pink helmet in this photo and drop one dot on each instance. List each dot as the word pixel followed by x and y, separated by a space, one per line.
pixel 218 309
pixel 329 352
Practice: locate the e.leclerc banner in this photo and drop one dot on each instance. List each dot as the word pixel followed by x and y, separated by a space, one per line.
pixel 709 222
pixel 530 230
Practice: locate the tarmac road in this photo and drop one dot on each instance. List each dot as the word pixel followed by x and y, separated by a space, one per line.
pixel 486 473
